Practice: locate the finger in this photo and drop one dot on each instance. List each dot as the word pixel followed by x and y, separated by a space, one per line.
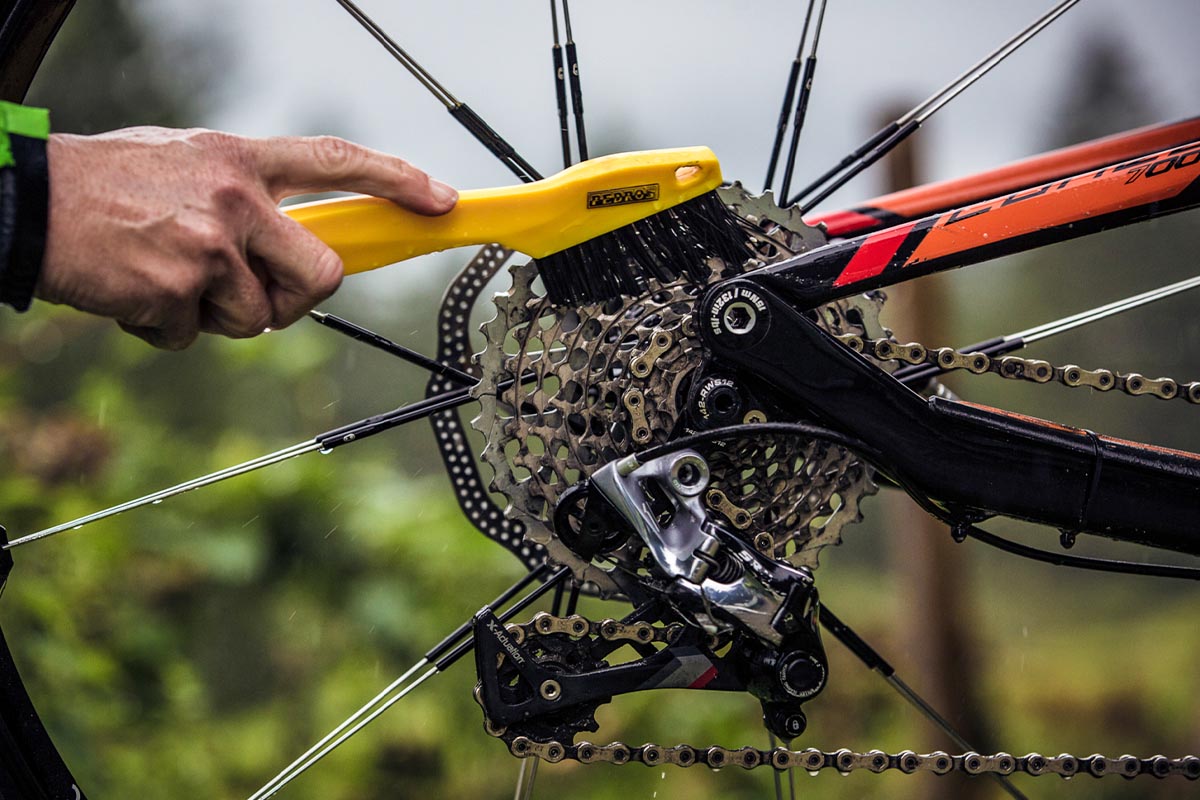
pixel 298 165
pixel 299 269
pixel 236 304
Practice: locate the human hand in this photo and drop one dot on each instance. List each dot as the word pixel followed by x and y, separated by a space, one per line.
pixel 173 232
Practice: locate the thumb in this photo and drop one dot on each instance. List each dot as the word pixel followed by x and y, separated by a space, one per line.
pixel 291 165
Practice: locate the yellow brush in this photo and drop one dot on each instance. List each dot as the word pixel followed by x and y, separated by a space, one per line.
pixel 595 229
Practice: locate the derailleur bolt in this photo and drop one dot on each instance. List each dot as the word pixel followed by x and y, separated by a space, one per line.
pixel 551 690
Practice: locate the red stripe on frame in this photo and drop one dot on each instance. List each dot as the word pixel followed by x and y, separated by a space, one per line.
pixel 873 255
pixel 705 679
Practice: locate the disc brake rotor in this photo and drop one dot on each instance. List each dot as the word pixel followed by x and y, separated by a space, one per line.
pixel 603 381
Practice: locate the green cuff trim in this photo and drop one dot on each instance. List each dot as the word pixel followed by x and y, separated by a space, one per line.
pixel 33 123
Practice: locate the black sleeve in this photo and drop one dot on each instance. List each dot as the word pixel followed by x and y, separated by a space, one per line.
pixel 24 201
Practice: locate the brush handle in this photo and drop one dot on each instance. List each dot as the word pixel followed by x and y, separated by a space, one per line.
pixel 547 216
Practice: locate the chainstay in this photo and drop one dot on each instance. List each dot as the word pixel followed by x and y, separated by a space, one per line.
pixel 812 760
pixel 1027 369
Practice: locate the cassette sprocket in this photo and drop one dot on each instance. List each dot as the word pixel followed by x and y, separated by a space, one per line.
pixel 564 391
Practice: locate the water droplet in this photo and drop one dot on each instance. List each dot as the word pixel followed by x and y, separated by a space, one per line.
pixel 156 502
pixel 77 527
pixel 814 772
pixel 325 451
pixel 663 774
pixel 844 774
pixel 1067 777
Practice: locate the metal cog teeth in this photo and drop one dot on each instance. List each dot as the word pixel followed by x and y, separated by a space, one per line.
pixel 575 411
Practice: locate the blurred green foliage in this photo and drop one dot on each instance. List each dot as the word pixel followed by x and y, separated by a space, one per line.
pixel 194 648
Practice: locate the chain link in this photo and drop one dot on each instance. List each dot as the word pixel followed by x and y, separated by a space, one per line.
pixel 812 760
pixel 1028 369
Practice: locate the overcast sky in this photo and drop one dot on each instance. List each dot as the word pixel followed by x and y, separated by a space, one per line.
pixel 665 74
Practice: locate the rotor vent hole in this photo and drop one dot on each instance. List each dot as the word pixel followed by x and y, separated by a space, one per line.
pixel 569 321
pixel 571 392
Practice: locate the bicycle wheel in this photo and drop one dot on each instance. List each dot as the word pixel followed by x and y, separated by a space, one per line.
pixel 750 165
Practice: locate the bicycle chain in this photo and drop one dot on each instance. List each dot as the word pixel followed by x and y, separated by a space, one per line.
pixel 1029 369
pixel 812 760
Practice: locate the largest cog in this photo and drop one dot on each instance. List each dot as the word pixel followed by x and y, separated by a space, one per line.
pixel 584 402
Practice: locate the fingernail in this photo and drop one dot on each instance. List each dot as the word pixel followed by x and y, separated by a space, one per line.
pixel 442 192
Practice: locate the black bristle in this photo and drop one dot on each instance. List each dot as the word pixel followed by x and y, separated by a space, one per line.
pixel 673 243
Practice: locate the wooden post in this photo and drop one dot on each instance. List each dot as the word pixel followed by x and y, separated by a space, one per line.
pixel 934 609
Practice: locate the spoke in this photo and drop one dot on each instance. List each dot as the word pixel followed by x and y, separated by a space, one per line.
pixel 789 95
pixel 525 778
pixel 361 334
pixel 159 496
pixel 1101 312
pixel 886 139
pixel 323 443
pixel 918 373
pixel 347 434
pixel 772 743
pixel 397 52
pixel 871 658
pixel 290 771
pixel 810 68
pixel 576 88
pixel 466 117
pixel 560 87
pixel 291 775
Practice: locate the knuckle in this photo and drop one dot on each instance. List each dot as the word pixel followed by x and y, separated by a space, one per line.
pixel 235 198
pixel 336 156
pixel 209 240
pixel 218 141
pixel 183 290
pixel 256 318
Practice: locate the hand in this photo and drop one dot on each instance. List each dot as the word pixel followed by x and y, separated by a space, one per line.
pixel 173 232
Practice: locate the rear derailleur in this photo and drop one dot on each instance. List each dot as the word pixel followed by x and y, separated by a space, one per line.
pixel 711 614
